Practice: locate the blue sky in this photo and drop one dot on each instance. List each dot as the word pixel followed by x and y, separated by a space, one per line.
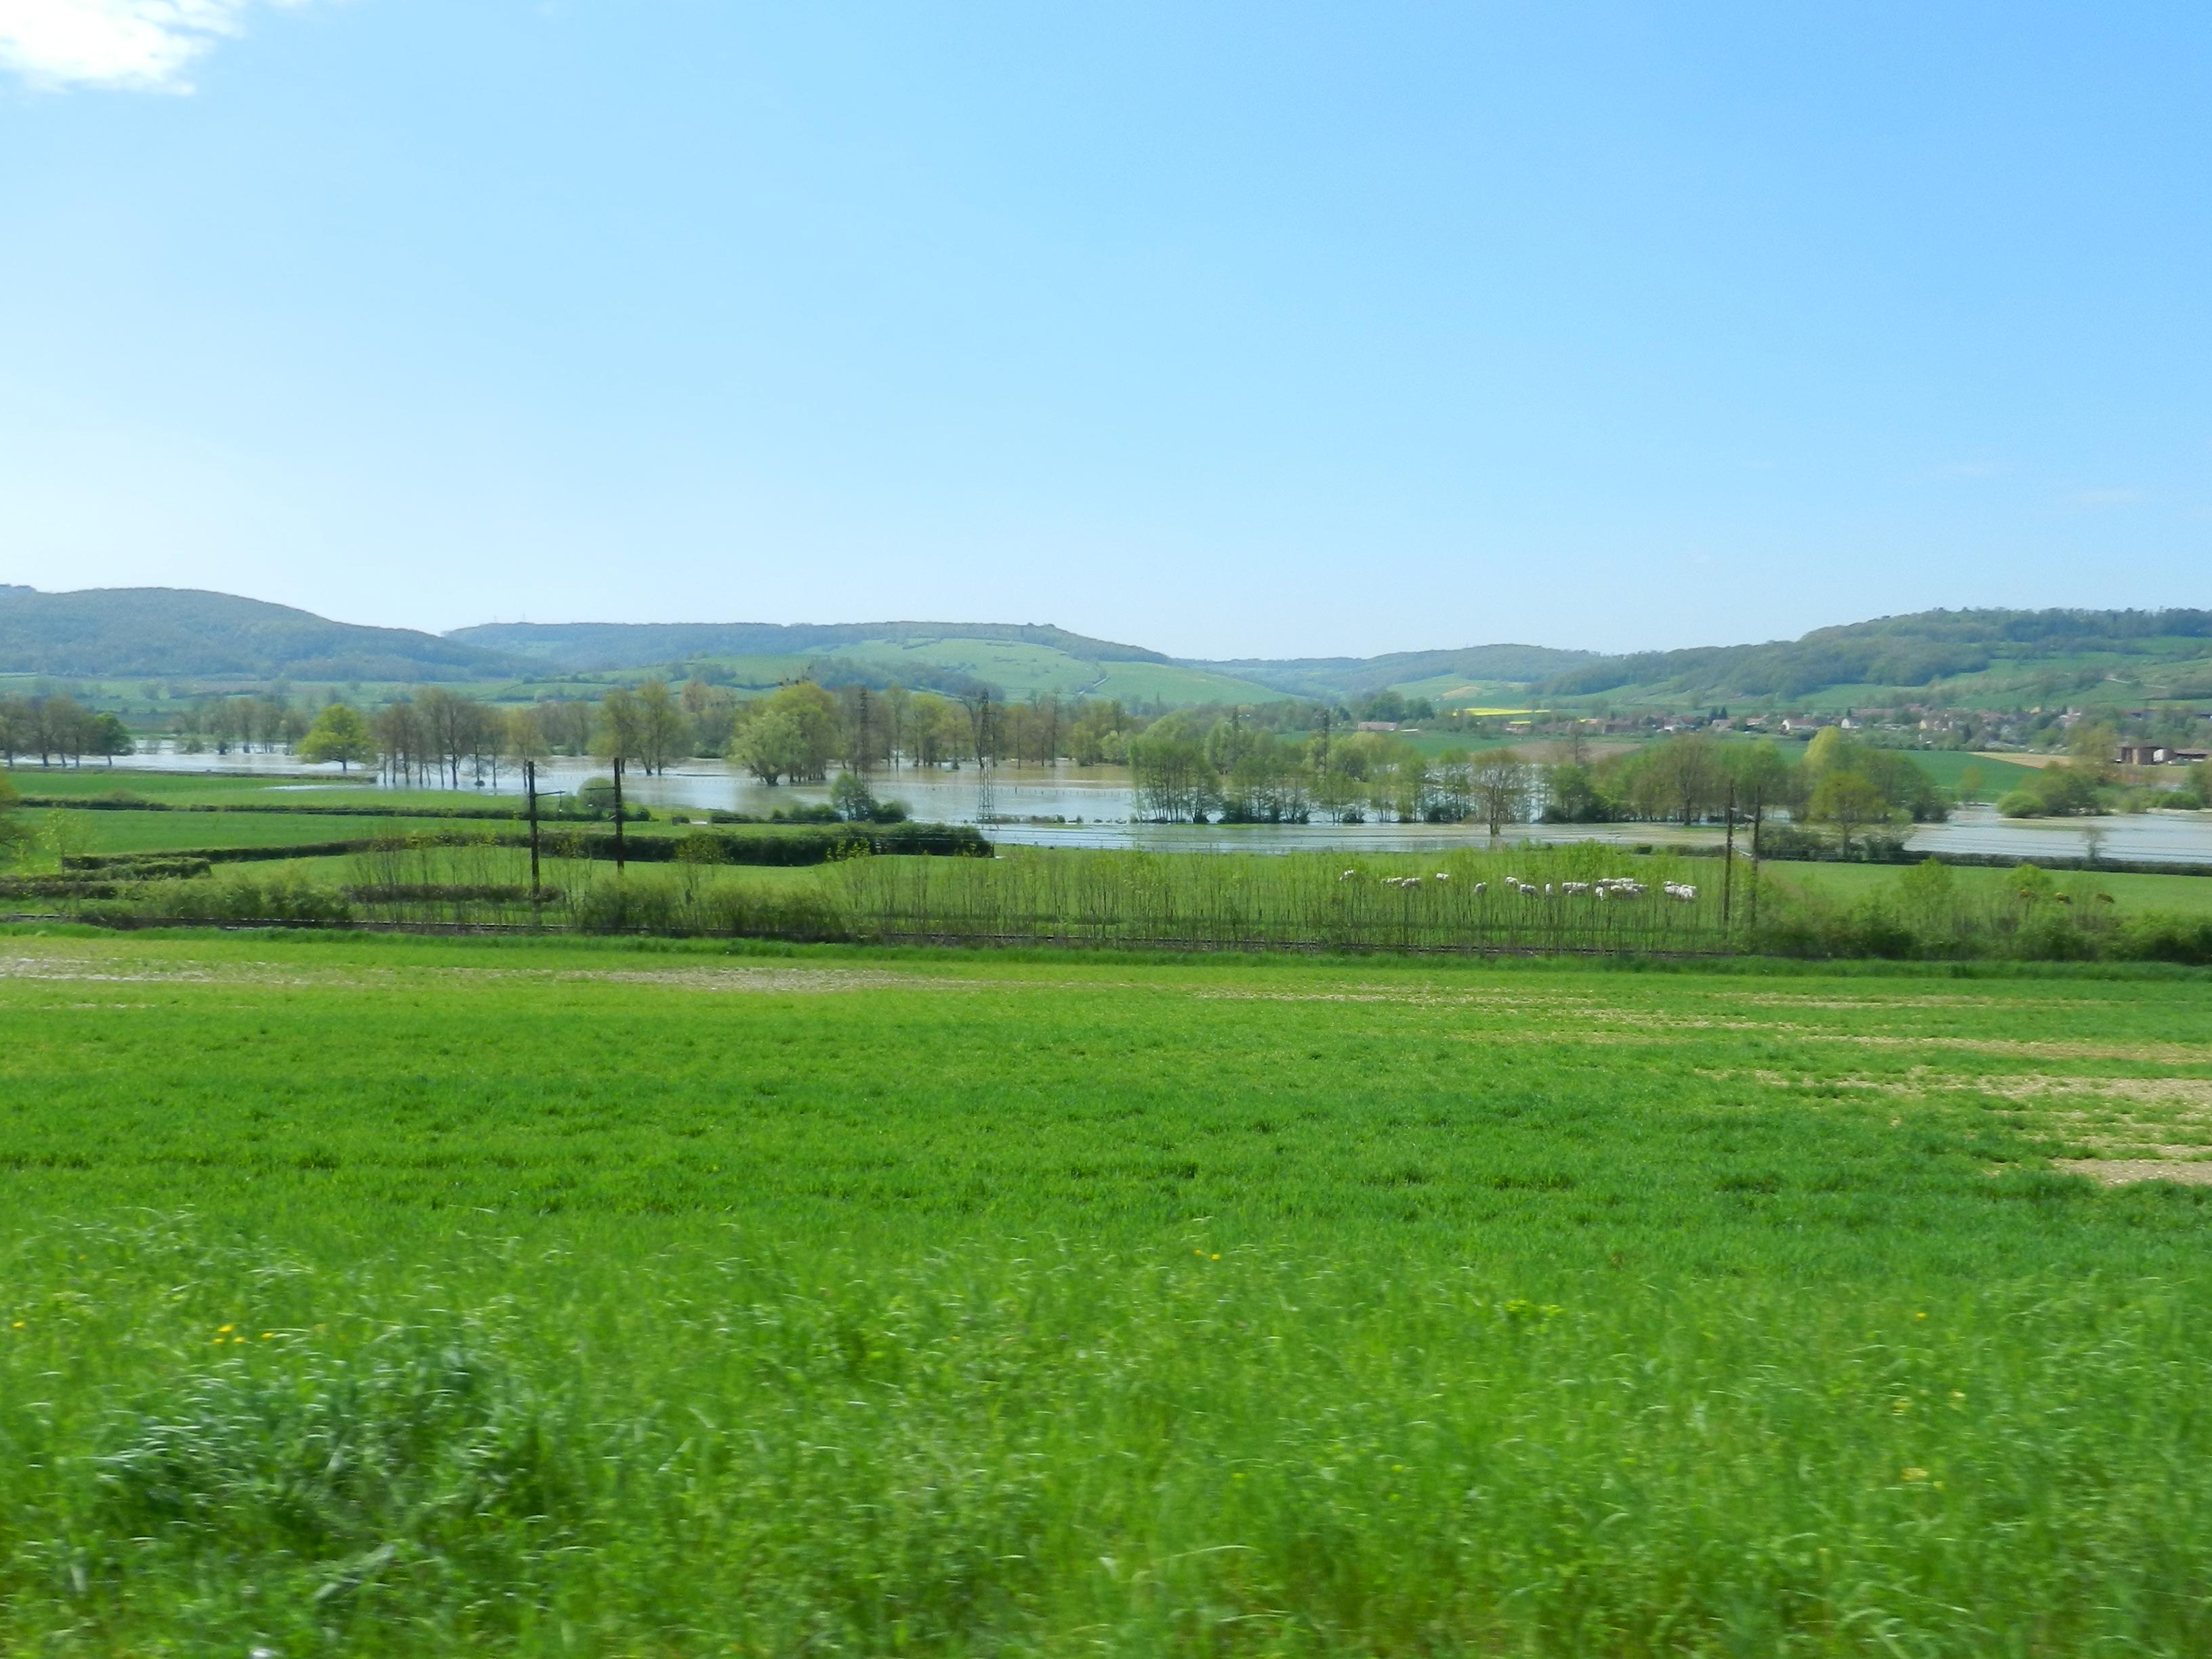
pixel 1269 329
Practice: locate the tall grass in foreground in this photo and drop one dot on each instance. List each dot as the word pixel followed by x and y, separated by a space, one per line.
pixel 1055 1447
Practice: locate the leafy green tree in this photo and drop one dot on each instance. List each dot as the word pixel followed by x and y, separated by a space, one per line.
pixel 1905 789
pixel 1451 782
pixel 854 801
pixel 1402 787
pixel 773 747
pixel 2057 791
pixel 16 726
pixel 2095 746
pixel 813 714
pixel 1573 794
pixel 1851 801
pixel 339 734
pixel 16 837
pixel 110 737
pixel 1383 705
pixel 1094 724
pixel 619 731
pixel 663 731
pixel 1764 782
pixel 1682 778
pixel 1501 785
pixel 525 735
pixel 1169 768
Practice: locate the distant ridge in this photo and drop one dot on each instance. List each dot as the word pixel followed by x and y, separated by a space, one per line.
pixel 189 632
pixel 1963 656
pixel 588 646
pixel 1893 652
pixel 1355 677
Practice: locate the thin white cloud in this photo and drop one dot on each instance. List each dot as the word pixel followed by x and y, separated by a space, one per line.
pixel 134 46
pixel 2106 497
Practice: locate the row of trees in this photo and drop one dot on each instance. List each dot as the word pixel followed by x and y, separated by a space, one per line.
pixel 1185 770
pixel 794 734
pixel 58 728
pixel 272 720
pixel 1192 765
pixel 1694 779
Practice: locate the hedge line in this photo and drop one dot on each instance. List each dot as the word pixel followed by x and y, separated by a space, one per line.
pixel 301 809
pixel 785 847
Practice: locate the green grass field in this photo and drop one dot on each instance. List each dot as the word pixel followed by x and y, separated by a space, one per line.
pixel 391 1297
pixel 209 788
pixel 1948 767
pixel 2185 895
pixel 142 832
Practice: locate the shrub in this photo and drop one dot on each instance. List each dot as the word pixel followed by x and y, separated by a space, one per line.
pixel 2054 791
pixel 240 898
pixel 2167 939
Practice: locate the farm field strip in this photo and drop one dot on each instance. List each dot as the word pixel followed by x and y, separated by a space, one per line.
pixel 993 1304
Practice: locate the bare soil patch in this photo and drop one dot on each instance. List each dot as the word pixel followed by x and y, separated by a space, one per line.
pixel 2127 1171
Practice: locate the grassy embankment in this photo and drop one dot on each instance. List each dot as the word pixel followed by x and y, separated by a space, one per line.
pixel 394 1297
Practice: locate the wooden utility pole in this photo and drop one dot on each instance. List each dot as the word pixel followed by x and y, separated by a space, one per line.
pixel 530 795
pixel 620 848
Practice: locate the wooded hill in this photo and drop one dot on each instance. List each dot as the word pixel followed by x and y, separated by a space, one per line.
pixel 1427 673
pixel 1947 657
pixel 594 646
pixel 184 633
pixel 1955 658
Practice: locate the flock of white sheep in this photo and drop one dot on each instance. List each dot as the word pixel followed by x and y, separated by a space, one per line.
pixel 1610 887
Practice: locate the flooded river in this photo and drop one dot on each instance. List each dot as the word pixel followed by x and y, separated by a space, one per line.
pixel 1069 806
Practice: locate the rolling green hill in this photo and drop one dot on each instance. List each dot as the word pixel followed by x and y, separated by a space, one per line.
pixel 649 645
pixel 1013 659
pixel 187 633
pixel 1474 670
pixel 1956 658
pixel 1963 658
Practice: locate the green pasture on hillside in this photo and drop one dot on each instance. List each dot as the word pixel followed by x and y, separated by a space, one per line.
pixel 395 1297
